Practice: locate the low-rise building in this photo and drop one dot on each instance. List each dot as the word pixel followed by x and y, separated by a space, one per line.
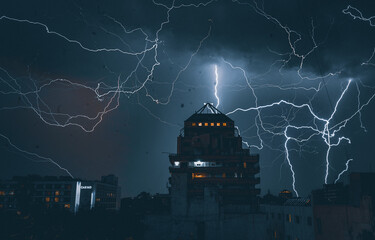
pixel 59 193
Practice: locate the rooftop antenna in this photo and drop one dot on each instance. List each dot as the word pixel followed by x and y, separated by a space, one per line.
pixel 208 107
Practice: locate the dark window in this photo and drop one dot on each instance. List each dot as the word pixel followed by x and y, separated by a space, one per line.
pixel 309 221
pixel 279 216
pixel 319 225
pixel 272 215
pixel 297 219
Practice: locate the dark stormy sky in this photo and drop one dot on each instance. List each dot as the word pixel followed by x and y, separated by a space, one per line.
pixel 132 71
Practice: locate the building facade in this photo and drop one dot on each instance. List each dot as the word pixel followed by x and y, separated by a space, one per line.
pixel 213 191
pixel 210 158
pixel 59 193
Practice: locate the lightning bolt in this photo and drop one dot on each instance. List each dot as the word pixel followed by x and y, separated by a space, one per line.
pixel 216 84
pixel 343 171
pixel 148 59
pixel 357 14
pixel 35 155
pixel 107 96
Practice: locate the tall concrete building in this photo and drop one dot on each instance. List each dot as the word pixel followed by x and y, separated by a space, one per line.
pixel 210 158
pixel 212 185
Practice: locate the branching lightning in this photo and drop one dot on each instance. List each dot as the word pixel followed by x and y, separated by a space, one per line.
pixel 328 129
pixel 216 84
pixel 109 95
pixel 34 155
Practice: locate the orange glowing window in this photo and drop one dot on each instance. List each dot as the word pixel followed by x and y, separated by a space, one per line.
pixel 57 193
pixel 212 124
pixel 194 124
pixel 224 175
pixel 2 193
pixel 289 217
pixel 199 175
pixel 224 124
pixel 66 205
pixel 97 199
pixel 200 124
pixel 206 124
pixel 244 165
pixel 47 199
pixel 56 199
pixel 218 124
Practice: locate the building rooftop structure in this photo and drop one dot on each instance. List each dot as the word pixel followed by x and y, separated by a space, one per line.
pixel 210 156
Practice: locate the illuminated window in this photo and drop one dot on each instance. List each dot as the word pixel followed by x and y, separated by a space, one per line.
pixel 1 205
pixel 97 199
pixel 199 175
pixel 2 193
pixel 66 205
pixel 289 217
pixel 224 124
pixel 194 124
pixel 218 124
pixel 47 199
pixel 177 164
pixel 11 193
pixel 212 124
pixel 224 175
pixel 57 193
pixel 56 199
pixel 201 164
pixel 244 165
pixel 205 124
pixel 200 124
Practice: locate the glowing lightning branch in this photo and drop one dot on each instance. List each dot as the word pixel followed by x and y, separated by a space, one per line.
pixel 147 61
pixel 343 171
pixel 216 83
pixel 356 14
pixel 36 155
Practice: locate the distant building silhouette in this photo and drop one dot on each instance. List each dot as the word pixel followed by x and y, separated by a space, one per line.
pixel 335 211
pixel 346 212
pixel 59 192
